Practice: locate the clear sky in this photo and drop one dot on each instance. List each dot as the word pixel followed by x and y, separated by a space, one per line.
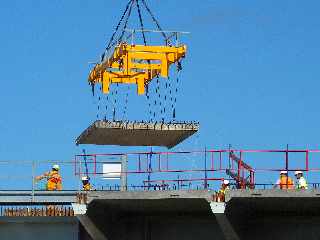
pixel 251 76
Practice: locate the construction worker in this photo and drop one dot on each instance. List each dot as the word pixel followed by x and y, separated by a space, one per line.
pixel 284 182
pixel 86 186
pixel 222 192
pixel 54 180
pixel 301 182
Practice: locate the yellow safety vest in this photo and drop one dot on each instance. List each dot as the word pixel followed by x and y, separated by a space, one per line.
pixel 87 187
pixel 223 191
pixel 302 183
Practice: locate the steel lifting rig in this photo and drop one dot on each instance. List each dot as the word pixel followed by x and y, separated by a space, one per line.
pixel 136 64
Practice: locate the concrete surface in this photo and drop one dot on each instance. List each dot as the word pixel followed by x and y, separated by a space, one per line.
pixel 274 214
pixel 145 195
pixel 175 218
pixel 146 215
pixel 30 228
pixel 137 133
pixel 226 227
pixel 91 228
pixel 154 215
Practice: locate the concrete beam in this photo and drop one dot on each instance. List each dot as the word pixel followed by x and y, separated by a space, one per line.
pixel 137 133
pixel 37 197
pixel 262 202
pixel 218 209
pixel 91 228
pixel 149 195
pixel 271 193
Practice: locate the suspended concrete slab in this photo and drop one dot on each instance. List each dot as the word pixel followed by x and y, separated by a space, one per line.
pixel 122 133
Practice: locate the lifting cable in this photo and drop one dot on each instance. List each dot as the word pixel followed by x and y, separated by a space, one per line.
pixel 154 19
pixel 126 23
pixel 179 68
pixel 157 99
pixel 154 109
pixel 98 104
pixel 129 4
pixel 160 99
pixel 126 103
pixel 170 98
pixel 141 23
pixel 108 102
pixel 149 103
pixel 112 104
pixel 115 102
pixel 106 106
pixel 149 72
pixel 165 99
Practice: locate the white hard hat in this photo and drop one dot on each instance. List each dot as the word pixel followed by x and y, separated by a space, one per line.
pixel 226 182
pixel 56 166
pixel 283 172
pixel 297 172
pixel 85 178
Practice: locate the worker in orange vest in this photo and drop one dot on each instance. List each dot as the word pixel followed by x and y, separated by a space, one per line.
pixel 284 182
pixel 54 180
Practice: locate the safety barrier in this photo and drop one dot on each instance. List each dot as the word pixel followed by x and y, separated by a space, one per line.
pixel 143 171
pixel 204 169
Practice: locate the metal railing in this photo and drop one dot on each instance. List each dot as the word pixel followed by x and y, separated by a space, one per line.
pixel 143 171
pixel 206 169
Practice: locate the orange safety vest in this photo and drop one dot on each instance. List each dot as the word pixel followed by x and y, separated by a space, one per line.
pixel 286 184
pixel 54 181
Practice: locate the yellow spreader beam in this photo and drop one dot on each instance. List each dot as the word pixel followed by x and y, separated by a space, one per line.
pixel 135 64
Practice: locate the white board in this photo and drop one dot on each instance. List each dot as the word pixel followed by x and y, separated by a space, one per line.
pixel 111 171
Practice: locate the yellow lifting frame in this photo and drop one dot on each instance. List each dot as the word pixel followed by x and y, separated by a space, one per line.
pixel 135 64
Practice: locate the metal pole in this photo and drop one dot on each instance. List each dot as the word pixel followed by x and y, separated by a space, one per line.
pixel 205 169
pixel 149 169
pixel 212 160
pixel 307 160
pixel 80 173
pixel 33 179
pixel 287 163
pixel 124 170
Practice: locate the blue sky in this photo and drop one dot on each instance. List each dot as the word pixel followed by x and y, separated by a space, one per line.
pixel 250 77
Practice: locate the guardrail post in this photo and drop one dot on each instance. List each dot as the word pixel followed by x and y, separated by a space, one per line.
pixel 205 169
pixel 33 179
pixel 307 160
pixel 124 169
pixel 287 163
